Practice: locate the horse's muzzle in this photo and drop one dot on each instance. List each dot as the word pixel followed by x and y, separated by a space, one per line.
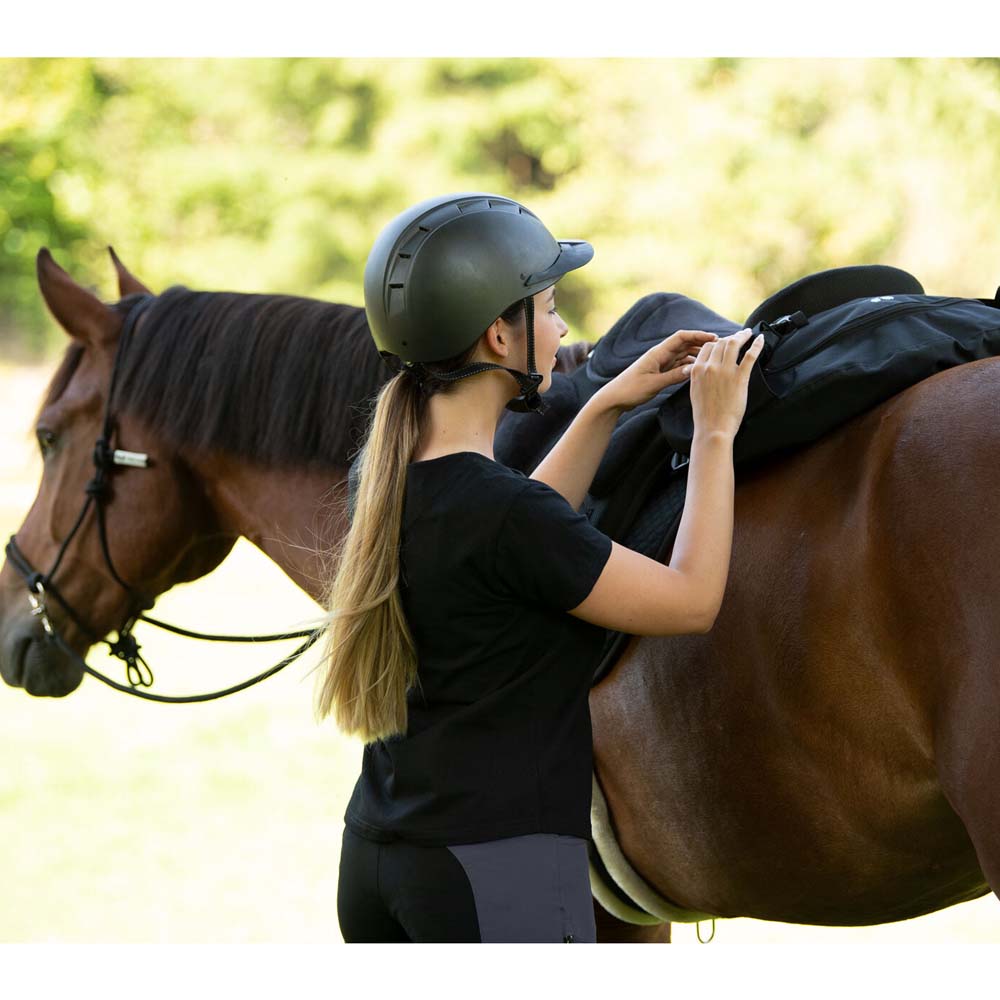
pixel 29 660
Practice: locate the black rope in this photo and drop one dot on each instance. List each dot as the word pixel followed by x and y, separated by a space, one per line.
pixel 47 577
pixel 224 638
pixel 184 699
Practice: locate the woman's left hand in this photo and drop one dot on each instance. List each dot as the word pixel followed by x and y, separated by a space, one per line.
pixel 665 363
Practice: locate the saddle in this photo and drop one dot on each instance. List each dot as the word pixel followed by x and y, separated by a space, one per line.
pixel 837 343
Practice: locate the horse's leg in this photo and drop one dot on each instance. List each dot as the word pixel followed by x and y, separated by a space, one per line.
pixel 611 930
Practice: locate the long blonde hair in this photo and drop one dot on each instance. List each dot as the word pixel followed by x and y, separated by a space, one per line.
pixel 369 658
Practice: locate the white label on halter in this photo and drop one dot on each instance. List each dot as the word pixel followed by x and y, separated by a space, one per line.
pixel 137 458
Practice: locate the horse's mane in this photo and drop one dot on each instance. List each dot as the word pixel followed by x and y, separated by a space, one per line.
pixel 277 379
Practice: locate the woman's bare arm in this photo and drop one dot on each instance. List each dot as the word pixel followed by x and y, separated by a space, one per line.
pixel 570 467
pixel 641 596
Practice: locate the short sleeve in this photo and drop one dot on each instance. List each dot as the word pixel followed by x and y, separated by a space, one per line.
pixel 547 552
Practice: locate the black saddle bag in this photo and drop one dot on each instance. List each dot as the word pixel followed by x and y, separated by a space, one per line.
pixel 816 372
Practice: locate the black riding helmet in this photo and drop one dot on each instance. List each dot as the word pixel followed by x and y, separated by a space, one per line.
pixel 442 271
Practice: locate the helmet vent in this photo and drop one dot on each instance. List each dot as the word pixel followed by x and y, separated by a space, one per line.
pixel 474 204
pixel 502 206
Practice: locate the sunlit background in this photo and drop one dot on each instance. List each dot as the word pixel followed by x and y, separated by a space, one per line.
pixel 722 179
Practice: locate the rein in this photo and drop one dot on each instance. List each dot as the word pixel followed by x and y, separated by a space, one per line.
pixel 125 647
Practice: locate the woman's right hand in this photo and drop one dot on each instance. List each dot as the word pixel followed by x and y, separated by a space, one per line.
pixel 719 384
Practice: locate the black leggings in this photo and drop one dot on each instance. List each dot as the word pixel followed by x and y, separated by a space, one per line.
pixel 530 888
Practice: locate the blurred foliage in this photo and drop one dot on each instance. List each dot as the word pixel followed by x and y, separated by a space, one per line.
pixel 720 178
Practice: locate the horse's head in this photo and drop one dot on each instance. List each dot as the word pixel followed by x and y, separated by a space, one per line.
pixel 159 527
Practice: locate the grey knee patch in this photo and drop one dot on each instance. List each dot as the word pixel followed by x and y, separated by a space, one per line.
pixel 530 888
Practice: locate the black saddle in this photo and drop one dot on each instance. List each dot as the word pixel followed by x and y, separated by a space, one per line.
pixel 836 343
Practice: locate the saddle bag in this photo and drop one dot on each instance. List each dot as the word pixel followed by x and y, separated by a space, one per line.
pixel 818 371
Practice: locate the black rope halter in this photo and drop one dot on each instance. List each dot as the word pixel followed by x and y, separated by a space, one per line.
pixel 125 646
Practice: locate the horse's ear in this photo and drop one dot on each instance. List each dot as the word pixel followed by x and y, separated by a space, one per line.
pixel 79 312
pixel 128 283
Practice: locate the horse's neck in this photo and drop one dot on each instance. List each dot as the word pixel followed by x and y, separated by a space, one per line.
pixel 291 515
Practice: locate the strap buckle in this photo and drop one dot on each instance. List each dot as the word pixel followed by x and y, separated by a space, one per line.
pixel 38 608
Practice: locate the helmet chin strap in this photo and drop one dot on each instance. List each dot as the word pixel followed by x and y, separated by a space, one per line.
pixel 529 400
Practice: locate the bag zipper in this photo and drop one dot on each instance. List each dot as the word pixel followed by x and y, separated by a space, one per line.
pixel 869 320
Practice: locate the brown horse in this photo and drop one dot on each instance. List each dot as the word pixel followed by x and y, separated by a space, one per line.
pixel 823 755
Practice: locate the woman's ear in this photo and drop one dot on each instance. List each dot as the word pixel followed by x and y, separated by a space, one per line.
pixel 498 337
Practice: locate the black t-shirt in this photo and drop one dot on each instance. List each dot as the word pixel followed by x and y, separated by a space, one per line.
pixel 498 740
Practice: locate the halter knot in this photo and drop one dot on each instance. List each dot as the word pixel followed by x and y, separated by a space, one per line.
pixel 103 455
pixel 137 669
pixel 98 486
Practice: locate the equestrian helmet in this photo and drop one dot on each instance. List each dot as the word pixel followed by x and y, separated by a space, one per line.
pixel 442 271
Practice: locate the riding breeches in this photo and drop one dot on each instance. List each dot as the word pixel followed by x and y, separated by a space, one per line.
pixel 517 889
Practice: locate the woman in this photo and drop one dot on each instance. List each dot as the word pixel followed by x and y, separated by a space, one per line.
pixel 469 598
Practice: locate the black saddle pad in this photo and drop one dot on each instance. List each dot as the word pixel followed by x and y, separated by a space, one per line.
pixel 524 439
pixel 652 319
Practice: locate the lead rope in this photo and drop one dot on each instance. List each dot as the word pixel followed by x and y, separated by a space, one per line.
pixel 58 640
pixel 697 929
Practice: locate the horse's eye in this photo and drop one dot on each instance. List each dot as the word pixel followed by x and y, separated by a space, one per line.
pixel 46 439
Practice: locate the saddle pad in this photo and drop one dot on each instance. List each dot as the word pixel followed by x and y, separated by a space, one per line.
pixel 522 440
pixel 652 319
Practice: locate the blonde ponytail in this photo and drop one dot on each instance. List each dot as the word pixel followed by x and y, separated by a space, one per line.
pixel 369 659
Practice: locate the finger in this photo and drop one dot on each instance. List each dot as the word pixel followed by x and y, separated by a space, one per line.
pixel 694 335
pixel 753 352
pixel 682 340
pixel 674 350
pixel 734 343
pixel 686 359
pixel 729 344
pixel 689 365
pixel 708 351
